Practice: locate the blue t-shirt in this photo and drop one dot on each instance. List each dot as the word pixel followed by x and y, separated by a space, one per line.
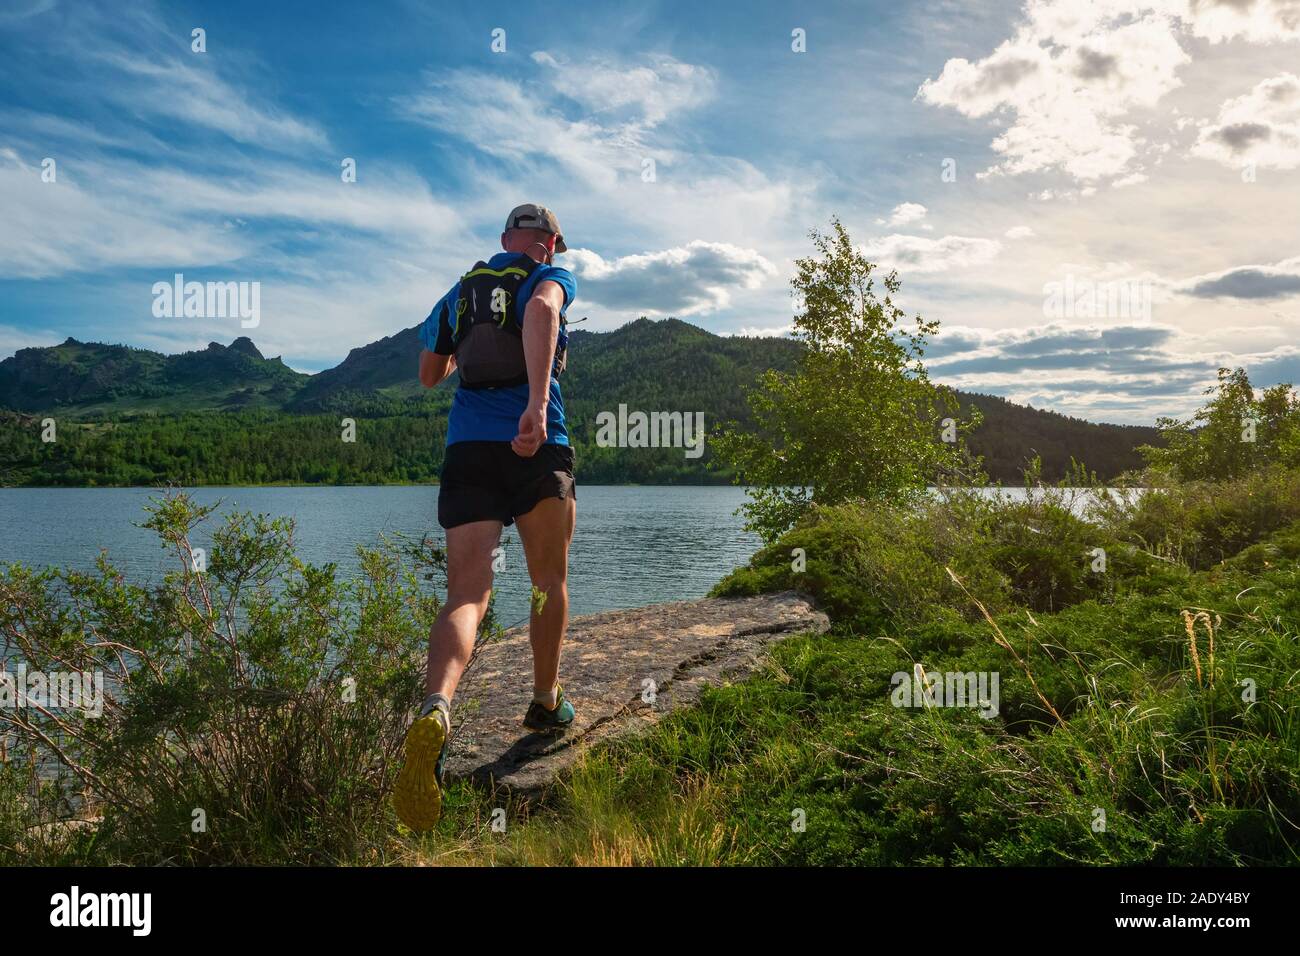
pixel 492 414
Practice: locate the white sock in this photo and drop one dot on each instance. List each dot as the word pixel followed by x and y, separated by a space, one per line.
pixel 439 702
pixel 547 698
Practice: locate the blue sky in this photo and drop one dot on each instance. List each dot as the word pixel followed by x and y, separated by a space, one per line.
pixel 1098 146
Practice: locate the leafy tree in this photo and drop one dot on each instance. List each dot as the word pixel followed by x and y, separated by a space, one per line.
pixel 858 418
pixel 1233 434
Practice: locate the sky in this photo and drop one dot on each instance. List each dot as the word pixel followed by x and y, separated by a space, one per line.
pixel 1098 201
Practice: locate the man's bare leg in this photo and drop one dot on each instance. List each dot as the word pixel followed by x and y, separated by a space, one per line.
pixel 545 533
pixel 417 792
pixel 469 585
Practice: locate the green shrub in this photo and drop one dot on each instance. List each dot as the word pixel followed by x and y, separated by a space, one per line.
pixel 1200 523
pixel 1046 553
pixel 252 710
pixel 871 566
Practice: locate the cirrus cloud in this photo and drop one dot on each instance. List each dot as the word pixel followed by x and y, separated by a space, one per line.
pixel 652 90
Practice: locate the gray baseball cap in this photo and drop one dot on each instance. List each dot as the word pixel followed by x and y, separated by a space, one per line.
pixel 532 216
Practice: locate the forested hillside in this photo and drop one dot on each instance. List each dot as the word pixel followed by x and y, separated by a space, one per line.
pixel 227 415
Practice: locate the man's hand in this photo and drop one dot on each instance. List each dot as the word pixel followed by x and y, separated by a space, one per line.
pixel 532 431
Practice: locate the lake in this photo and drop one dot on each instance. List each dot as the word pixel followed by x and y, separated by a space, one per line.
pixel 633 545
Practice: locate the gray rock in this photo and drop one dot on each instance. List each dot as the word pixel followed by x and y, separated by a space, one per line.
pixel 607 659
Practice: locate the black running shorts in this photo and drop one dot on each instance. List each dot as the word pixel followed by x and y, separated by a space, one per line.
pixel 487 481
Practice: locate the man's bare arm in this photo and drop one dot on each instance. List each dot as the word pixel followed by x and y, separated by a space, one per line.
pixel 434 367
pixel 541 328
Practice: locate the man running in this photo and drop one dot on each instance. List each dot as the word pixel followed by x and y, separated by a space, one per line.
pixel 508 460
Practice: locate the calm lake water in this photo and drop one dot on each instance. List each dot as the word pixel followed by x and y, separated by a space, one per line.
pixel 633 545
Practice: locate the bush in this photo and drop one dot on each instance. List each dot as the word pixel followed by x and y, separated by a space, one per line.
pixel 875 566
pixel 872 565
pixel 251 712
pixel 1119 692
pixel 1200 523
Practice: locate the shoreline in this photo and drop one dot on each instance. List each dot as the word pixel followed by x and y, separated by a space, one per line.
pixel 322 484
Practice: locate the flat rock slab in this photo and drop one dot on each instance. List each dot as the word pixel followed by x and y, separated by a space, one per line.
pixel 608 662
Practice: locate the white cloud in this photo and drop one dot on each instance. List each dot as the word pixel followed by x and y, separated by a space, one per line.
pixel 477 108
pixel 141 65
pixel 12 339
pixel 1073 85
pixel 903 214
pixel 122 215
pixel 52 228
pixel 912 255
pixel 383 200
pixel 766 332
pixel 695 279
pixel 1019 232
pixel 1102 372
pixel 1260 128
pixel 1127 372
pixel 1259 21
pixel 1068 80
pixel 1132 179
pixel 173 88
pixel 606 143
pixel 589 165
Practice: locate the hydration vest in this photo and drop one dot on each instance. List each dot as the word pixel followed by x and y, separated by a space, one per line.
pixel 487 326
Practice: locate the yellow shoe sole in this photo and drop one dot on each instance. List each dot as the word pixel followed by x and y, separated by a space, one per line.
pixel 416 796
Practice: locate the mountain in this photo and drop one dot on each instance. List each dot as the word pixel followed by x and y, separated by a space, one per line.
pixel 647 365
pixel 387 367
pixel 666 364
pixel 91 380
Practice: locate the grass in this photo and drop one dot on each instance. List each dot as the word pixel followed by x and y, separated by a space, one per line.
pixel 1161 751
